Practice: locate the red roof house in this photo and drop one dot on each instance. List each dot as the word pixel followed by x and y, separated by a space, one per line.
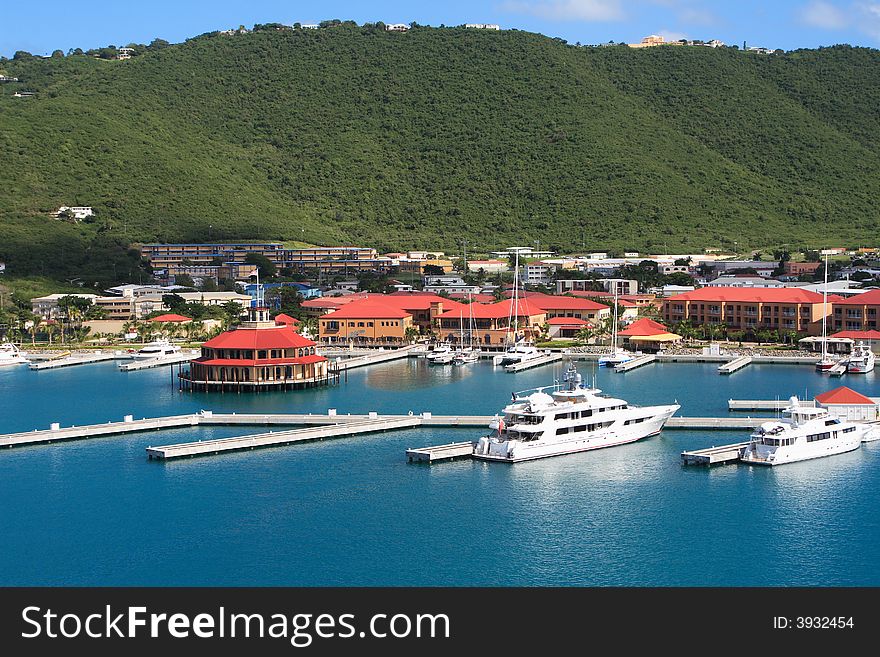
pixel 171 317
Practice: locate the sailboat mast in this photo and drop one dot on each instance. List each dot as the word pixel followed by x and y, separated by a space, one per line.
pixel 825 312
pixel 515 306
pixel 614 326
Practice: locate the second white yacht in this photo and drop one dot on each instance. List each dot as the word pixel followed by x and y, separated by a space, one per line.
pixel 803 433
pixel 861 360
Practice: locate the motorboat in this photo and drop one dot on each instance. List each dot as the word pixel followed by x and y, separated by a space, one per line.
pixel 567 418
pixel 10 354
pixel 803 433
pixel 157 349
pixel 861 359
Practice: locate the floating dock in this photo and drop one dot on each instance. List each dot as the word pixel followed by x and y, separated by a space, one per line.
pixel 373 358
pixel 278 438
pixel 129 425
pixel 735 365
pixel 839 369
pixel 440 453
pixel 726 423
pixel 533 362
pixel 75 359
pixel 148 363
pixel 714 455
pixel 764 404
pixel 635 362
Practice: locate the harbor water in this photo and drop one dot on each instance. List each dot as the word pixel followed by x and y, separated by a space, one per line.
pixel 352 512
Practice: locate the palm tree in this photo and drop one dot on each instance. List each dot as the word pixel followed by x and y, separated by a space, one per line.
pixel 410 334
pixel 585 334
pixel 50 331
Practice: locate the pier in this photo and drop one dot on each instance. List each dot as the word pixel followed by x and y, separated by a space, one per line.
pixel 635 362
pixel 278 438
pixel 764 404
pixel 75 359
pixel 839 369
pixel 148 363
pixel 129 425
pixel 734 365
pixel 533 362
pixel 374 358
pixel 440 453
pixel 722 423
pixel 714 455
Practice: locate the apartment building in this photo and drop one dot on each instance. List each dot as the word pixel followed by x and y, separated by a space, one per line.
pixel 857 313
pixel 787 309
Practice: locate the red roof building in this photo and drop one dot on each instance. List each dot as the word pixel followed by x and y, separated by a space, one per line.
pixel 848 404
pixel 860 312
pixel 644 326
pixel 257 355
pixel 172 318
pixel 284 319
pixel 750 309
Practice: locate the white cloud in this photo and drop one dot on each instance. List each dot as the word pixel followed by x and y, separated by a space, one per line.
pixel 569 10
pixel 869 19
pixel 824 15
pixel 670 35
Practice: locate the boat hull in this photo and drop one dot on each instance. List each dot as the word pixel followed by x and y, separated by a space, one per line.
pixel 841 449
pixel 613 437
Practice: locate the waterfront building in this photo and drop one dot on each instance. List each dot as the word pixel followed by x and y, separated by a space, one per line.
pixel 857 313
pixel 848 404
pixel 257 355
pixel 786 309
pixel 647 335
pixel 493 323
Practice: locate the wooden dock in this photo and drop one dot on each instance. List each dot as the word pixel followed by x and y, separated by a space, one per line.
pixel 735 365
pixel 635 362
pixel 546 359
pixel 75 359
pixel 764 404
pixel 440 453
pixel 278 438
pixel 840 368
pixel 714 455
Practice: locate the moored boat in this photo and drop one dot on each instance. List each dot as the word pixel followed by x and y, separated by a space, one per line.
pixel 569 419
pixel 10 354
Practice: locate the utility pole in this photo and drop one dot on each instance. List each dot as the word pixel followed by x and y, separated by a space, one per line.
pixel 464 258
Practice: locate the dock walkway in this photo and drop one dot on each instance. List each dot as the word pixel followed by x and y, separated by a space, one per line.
pixel 147 363
pixel 533 362
pixel 277 438
pixel 714 455
pixel 726 423
pixel 374 358
pixel 440 452
pixel 764 404
pixel 75 359
pixel 734 365
pixel 635 362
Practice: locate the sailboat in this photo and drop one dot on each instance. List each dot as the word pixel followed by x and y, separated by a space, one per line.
pixel 617 356
pixel 520 350
pixel 826 362
pixel 467 354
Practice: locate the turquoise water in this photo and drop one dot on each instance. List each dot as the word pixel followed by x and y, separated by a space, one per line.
pixel 352 512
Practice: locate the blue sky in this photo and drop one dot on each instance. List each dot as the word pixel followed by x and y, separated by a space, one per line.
pixel 40 27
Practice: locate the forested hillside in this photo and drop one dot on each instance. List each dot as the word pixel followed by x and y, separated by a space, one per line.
pixel 421 139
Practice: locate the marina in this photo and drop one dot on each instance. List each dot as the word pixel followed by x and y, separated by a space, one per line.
pixel 313 501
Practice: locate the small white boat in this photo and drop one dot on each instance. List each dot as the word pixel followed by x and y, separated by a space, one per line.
pixel 443 359
pixel 803 433
pixel 157 349
pixel 466 355
pixel 519 353
pixel 567 420
pixel 11 355
pixel 861 360
pixel 440 350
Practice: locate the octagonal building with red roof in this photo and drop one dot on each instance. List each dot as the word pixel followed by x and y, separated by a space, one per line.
pixel 257 355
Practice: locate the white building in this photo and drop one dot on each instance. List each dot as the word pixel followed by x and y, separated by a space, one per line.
pixel 47 306
pixel 2 267
pixel 537 273
pixel 482 26
pixel 744 281
pixel 524 252
pixel 454 289
pixel 310 26
pixel 124 53
pixel 488 266
pixel 79 212
pixel 144 305
pixel 396 27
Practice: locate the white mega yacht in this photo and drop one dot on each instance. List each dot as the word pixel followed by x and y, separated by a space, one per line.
pixel 157 349
pixel 569 419
pixel 11 355
pixel 861 360
pixel 803 433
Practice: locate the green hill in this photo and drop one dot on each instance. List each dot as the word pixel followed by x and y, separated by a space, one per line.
pixel 351 134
